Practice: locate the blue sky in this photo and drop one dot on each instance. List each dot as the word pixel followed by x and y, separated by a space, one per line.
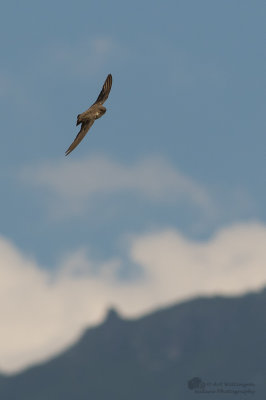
pixel 180 152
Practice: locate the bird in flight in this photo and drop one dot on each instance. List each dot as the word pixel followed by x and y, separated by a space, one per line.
pixel 87 118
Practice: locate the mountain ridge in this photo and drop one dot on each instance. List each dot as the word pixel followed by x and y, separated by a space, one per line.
pixel 156 356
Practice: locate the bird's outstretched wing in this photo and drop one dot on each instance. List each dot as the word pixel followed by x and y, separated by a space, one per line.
pixel 103 96
pixel 83 130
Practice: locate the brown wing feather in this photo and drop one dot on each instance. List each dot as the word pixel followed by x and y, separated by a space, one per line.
pixel 83 131
pixel 103 96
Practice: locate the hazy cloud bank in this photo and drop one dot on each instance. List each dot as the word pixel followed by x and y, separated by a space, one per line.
pixel 72 182
pixel 42 311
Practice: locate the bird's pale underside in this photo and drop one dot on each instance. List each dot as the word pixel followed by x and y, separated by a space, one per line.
pixel 87 118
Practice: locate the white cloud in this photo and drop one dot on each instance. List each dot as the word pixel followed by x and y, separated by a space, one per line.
pixel 74 183
pixel 42 311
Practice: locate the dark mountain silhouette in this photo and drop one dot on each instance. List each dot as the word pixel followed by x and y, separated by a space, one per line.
pixel 166 355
